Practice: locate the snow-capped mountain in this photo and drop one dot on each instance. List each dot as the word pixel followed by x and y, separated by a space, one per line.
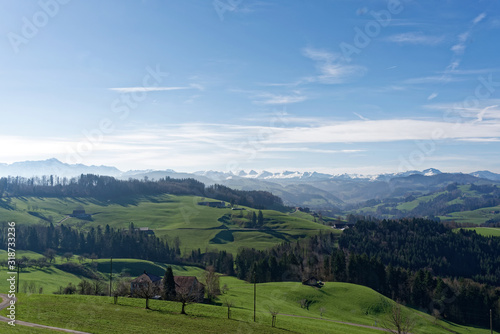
pixel 54 167
pixel 310 188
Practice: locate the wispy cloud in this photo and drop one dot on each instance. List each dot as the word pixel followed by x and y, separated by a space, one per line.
pixel 275 99
pixel 485 110
pixel 479 18
pixel 432 79
pixel 432 96
pixel 307 149
pixel 459 48
pixel 146 89
pixel 415 38
pixel 481 140
pixel 188 145
pixel 332 68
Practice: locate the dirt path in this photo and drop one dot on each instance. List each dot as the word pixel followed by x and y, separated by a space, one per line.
pixel 336 321
pixel 5 303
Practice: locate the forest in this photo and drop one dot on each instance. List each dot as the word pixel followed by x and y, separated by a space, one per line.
pixel 419 262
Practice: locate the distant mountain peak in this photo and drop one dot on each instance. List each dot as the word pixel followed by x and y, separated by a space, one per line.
pixel 53 166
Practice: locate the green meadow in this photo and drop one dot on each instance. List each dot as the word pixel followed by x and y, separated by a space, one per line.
pixel 486 231
pixel 338 302
pixel 51 278
pixel 320 311
pixel 170 217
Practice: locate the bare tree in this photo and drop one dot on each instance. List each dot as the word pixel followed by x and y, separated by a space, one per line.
pixel 121 288
pixel 185 295
pixel 321 311
pixel 274 312
pixel 146 290
pixel 303 303
pixel 212 284
pixel 229 303
pixel 68 256
pixel 84 287
pixel 50 254
pixel 398 322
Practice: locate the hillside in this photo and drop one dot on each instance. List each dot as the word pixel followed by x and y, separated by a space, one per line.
pixel 469 203
pixel 340 302
pixel 169 216
pixel 55 275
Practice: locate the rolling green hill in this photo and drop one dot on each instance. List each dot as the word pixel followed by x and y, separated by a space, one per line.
pixel 340 302
pixel 460 203
pixel 51 278
pixel 168 216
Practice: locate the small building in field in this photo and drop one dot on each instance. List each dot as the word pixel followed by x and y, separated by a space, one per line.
pixel 184 285
pixel 145 230
pixel 80 214
pixel 220 204
pixel 313 281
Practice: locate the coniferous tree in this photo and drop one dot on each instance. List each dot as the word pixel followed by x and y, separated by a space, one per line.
pixel 260 219
pixel 169 285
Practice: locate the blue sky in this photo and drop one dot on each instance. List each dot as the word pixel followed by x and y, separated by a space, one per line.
pixel 338 86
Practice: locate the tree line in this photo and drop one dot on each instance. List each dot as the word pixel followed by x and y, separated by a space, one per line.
pixel 109 188
pixel 109 242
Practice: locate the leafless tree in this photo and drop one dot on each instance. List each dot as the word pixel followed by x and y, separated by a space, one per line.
pixel 398 322
pixel 121 288
pixel 185 295
pixel 274 312
pixel 229 303
pixel 321 311
pixel 303 303
pixel 146 290
pixel 50 254
pixel 68 256
pixel 212 284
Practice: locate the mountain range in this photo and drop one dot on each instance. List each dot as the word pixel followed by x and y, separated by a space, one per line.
pixel 311 189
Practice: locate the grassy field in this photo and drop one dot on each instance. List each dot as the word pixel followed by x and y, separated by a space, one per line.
pixel 334 302
pixel 478 216
pixel 486 231
pixel 51 278
pixel 341 302
pixel 170 217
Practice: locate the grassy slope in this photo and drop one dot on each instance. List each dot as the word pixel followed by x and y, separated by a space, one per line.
pixel 51 278
pixel 170 216
pixel 342 301
pixel 476 216
pixel 486 231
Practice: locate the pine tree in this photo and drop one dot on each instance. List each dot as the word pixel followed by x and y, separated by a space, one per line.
pixel 260 219
pixel 169 285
